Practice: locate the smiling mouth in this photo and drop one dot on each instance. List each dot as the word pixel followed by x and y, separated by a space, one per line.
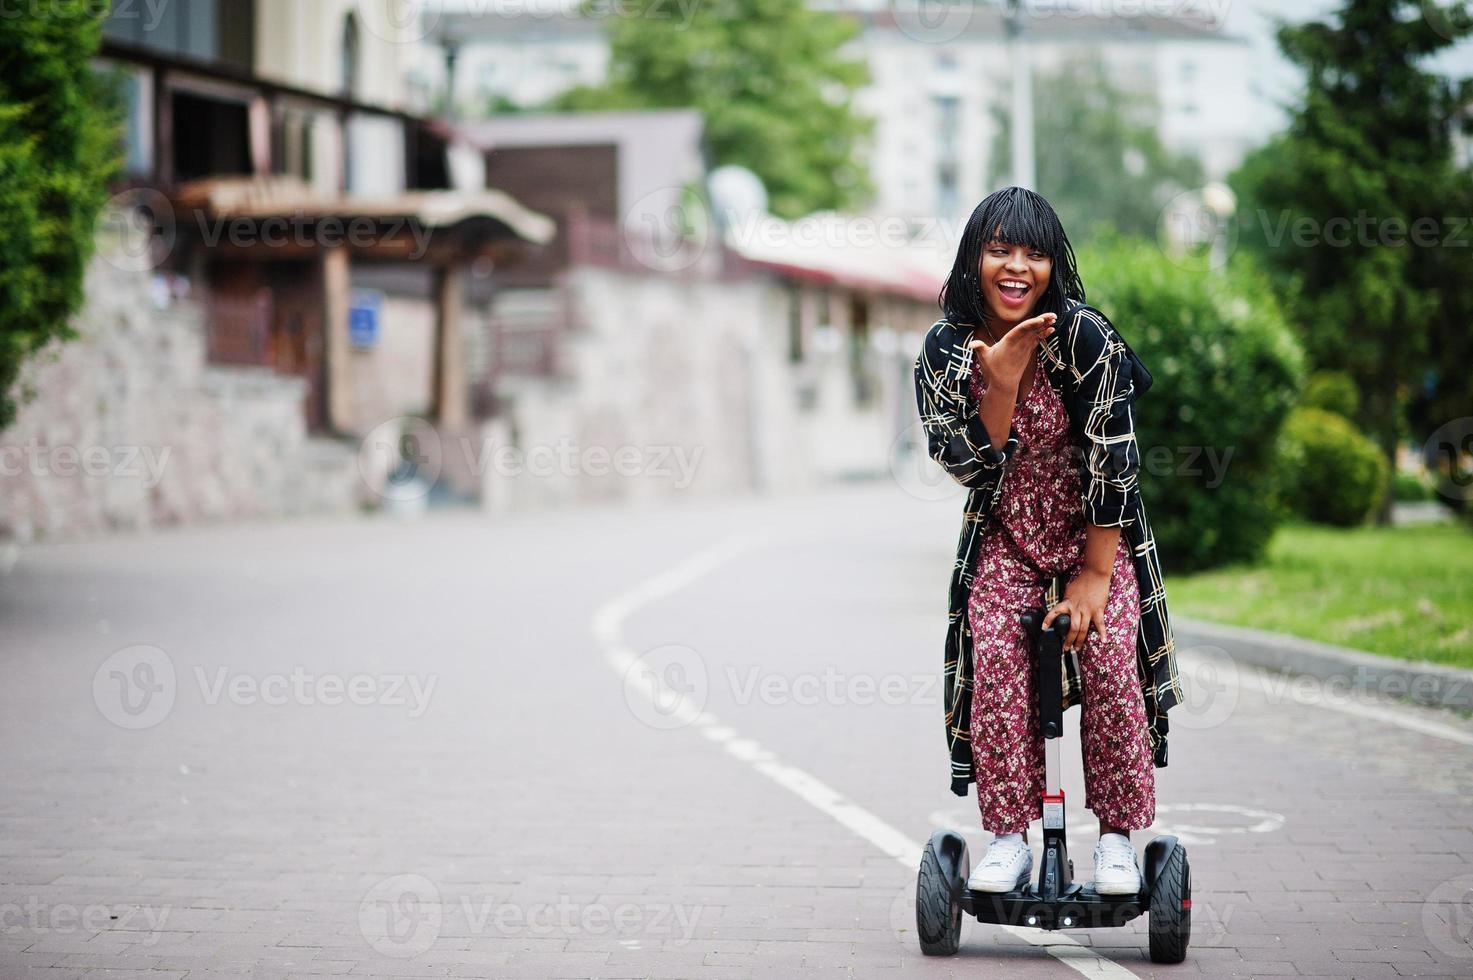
pixel 1014 289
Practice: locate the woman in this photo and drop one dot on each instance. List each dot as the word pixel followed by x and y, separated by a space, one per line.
pixel 1054 519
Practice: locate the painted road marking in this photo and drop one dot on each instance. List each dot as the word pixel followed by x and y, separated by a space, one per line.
pixel 607 628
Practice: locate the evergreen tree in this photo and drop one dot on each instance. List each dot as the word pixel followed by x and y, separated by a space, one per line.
pixel 1360 208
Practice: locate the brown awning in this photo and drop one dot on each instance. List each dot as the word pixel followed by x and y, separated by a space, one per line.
pixel 460 221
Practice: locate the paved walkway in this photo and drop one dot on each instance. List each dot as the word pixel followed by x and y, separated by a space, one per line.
pixel 691 740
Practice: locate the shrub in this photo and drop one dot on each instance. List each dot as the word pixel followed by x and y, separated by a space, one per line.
pixel 58 149
pixel 1227 370
pixel 1333 391
pixel 1334 474
pixel 1411 488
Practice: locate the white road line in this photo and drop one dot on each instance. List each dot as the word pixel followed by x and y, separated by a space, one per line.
pixel 607 628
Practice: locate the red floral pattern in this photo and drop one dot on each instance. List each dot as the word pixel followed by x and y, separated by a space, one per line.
pixel 1034 533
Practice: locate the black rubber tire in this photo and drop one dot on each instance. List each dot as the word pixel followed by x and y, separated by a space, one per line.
pixel 938 915
pixel 1170 924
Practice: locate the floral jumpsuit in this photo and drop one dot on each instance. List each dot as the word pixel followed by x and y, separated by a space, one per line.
pixel 1035 532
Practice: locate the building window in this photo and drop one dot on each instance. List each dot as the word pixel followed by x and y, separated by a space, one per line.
pixel 349 81
pixel 948 125
pixel 795 323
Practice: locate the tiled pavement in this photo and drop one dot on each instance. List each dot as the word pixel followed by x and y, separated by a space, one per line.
pixel 302 808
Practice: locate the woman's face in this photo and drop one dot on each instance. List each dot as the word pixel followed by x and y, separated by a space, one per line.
pixel 1013 279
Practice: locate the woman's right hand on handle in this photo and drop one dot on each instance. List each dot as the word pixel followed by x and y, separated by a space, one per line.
pixel 1004 362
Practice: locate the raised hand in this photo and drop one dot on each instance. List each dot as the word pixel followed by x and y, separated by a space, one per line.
pixel 1003 363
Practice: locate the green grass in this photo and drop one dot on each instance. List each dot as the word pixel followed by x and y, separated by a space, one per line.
pixel 1400 591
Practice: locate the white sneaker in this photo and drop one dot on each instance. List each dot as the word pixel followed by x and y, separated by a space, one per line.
pixel 1116 871
pixel 1008 859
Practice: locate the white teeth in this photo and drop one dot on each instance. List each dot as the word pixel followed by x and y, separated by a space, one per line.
pixel 1013 283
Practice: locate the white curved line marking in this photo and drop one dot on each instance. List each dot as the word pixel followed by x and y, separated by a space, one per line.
pixel 607 628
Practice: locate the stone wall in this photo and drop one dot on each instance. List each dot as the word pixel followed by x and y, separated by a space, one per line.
pixel 669 387
pixel 130 428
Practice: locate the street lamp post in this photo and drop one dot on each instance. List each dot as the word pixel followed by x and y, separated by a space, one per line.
pixel 1023 164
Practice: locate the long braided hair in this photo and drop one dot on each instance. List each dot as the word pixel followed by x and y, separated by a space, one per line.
pixel 1014 216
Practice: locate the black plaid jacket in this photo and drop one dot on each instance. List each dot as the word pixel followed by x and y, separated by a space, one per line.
pixel 1086 361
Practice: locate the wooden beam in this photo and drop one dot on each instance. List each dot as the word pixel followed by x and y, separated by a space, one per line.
pixel 452 396
pixel 338 375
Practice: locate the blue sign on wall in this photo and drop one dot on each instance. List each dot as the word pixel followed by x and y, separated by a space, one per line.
pixel 364 310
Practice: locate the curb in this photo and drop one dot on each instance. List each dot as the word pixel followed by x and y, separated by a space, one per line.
pixel 1416 680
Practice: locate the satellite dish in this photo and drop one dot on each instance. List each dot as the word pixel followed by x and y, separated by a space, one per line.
pixel 737 195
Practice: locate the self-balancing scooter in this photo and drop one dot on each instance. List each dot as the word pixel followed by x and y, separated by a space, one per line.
pixel 1056 902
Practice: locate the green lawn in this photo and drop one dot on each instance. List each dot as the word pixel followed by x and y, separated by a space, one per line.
pixel 1399 591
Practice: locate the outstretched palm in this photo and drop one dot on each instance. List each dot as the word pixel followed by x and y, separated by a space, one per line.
pixel 1004 362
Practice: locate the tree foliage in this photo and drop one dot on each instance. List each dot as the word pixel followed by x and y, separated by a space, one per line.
pixel 1356 207
pixel 769 76
pixel 1100 161
pixel 58 149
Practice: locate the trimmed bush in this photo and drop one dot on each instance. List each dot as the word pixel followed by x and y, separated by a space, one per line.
pixel 1334 474
pixel 1333 391
pixel 1227 369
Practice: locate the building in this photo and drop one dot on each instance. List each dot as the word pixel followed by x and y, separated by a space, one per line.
pixel 305 264
pixel 671 312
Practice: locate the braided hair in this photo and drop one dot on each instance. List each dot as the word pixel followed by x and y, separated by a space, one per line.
pixel 1014 216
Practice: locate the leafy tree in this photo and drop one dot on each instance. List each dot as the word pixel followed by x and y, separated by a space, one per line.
pixel 58 149
pixel 1336 202
pixel 1100 161
pixel 771 80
